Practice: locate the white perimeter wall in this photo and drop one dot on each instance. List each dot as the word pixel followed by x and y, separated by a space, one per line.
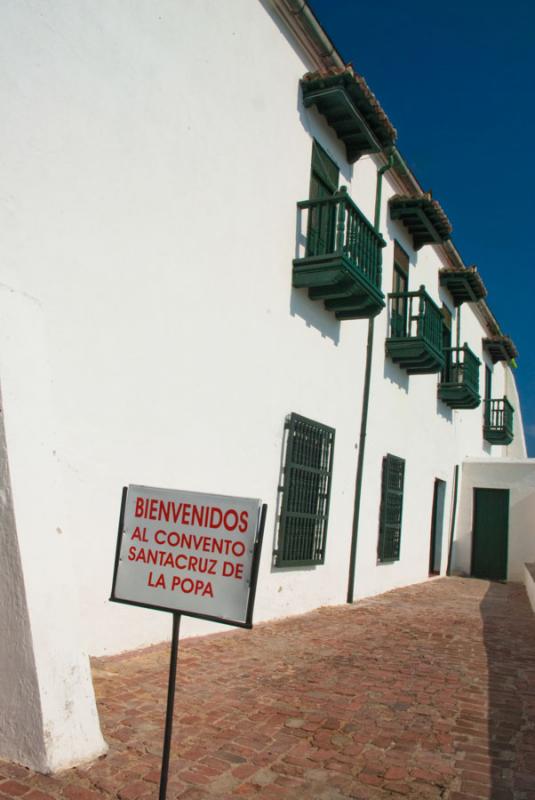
pixel 151 168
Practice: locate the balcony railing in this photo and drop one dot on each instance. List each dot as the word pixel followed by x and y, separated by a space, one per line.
pixel 416 329
pixel 342 260
pixel 459 384
pixel 498 426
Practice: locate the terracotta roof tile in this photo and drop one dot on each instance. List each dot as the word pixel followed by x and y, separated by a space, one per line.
pixel 364 98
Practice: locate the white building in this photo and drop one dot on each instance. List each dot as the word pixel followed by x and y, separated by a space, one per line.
pixel 197 240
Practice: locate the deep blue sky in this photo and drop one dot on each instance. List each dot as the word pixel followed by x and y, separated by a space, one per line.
pixel 457 80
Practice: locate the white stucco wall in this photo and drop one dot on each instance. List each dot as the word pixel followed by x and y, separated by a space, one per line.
pixel 517 448
pixel 517 475
pixel 153 163
pixel 161 189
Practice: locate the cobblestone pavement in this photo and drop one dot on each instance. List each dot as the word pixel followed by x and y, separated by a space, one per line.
pixel 425 692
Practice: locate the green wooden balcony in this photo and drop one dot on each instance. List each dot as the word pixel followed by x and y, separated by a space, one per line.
pixel 342 261
pixel 415 341
pixel 423 217
pixel 498 425
pixel 459 383
pixel 348 105
pixel 464 285
pixel 500 348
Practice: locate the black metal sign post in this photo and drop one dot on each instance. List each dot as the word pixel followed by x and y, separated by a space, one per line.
pixel 243 617
pixel 170 707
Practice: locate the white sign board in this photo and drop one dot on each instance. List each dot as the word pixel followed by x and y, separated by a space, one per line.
pixel 188 552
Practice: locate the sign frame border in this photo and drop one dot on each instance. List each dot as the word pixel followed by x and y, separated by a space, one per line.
pixel 255 565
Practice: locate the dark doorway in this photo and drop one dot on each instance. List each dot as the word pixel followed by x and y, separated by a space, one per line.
pixel 437 527
pixel 490 534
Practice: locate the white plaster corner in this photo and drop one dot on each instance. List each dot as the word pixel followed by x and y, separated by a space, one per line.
pixel 529 582
pixel 48 718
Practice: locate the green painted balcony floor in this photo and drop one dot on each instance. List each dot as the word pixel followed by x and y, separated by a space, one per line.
pixel 415 340
pixel 459 383
pixel 342 261
pixel 498 425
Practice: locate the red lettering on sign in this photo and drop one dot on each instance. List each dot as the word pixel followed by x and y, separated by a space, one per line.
pixel 188 586
pixel 159 583
pixel 139 507
pixel 231 570
pixel 197 515
pixel 191 514
pixel 163 558
pixel 141 536
pixel 238 549
pixel 230 520
pixel 215 514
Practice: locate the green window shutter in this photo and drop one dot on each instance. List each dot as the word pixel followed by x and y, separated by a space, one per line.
pixel 321 231
pixel 391 508
pixel 488 383
pixel 324 174
pixel 400 284
pixel 305 492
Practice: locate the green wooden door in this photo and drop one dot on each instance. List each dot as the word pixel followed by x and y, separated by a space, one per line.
pixel 490 534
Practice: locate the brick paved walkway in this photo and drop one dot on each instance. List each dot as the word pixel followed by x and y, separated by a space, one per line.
pixel 426 692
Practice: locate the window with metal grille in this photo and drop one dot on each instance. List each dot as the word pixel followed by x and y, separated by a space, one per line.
pixel 305 492
pixel 391 508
